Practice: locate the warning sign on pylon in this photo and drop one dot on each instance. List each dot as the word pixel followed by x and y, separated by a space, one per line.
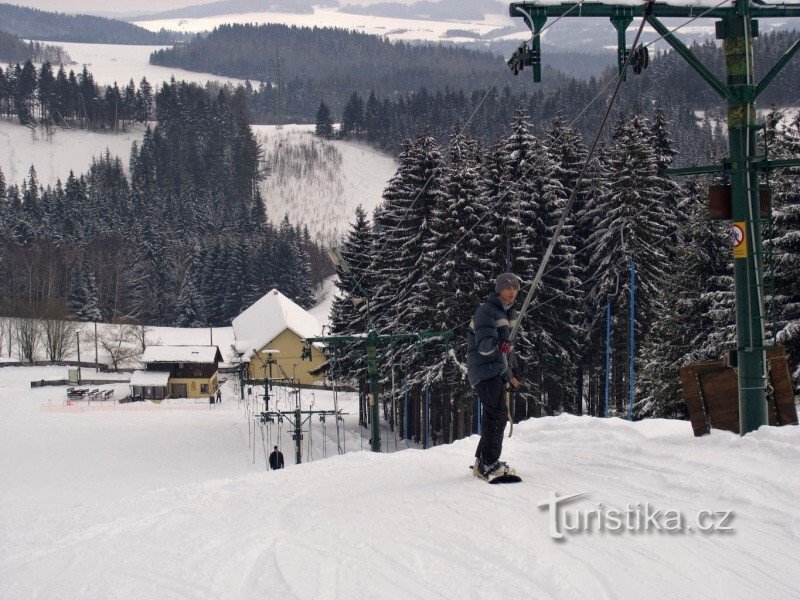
pixel 739 239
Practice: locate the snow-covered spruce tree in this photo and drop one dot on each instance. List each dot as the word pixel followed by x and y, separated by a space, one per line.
pixel 785 242
pixel 324 127
pixel 349 309
pixel 457 269
pixel 291 268
pixel 82 299
pixel 402 225
pixel 671 192
pixel 190 308
pixel 91 311
pixel 502 219
pixel 547 342
pixel 629 221
pixel 696 318
pixel 566 148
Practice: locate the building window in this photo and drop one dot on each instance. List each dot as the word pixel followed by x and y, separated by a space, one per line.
pixel 203 388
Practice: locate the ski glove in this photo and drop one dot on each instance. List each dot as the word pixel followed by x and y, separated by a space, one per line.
pixel 505 347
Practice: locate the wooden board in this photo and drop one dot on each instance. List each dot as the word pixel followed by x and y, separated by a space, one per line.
pixel 711 393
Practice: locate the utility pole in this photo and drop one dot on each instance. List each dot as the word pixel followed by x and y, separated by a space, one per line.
pixel 736 25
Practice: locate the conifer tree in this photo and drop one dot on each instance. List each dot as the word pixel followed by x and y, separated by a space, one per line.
pixel 696 318
pixel 403 226
pixel 456 270
pixel 324 126
pixel 349 311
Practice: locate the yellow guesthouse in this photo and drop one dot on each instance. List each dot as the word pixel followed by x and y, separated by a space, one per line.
pixel 275 325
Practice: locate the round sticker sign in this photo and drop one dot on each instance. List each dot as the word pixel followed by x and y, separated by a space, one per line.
pixel 738 239
pixel 737 235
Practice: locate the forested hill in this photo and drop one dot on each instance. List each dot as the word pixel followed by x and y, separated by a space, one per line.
pixel 182 240
pixel 668 84
pixel 332 62
pixel 33 24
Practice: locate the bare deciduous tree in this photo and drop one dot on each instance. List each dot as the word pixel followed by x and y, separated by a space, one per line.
pixel 28 333
pixel 59 331
pixel 120 341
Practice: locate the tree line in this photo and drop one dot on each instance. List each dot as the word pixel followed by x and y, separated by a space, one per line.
pixel 669 84
pixel 294 67
pixel 47 97
pixel 14 49
pixel 182 240
pixel 452 219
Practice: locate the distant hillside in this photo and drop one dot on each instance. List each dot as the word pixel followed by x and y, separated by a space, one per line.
pixel 232 7
pixel 29 23
pixel 330 63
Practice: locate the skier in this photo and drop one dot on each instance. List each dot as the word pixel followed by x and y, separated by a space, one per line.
pixel 276 459
pixel 491 365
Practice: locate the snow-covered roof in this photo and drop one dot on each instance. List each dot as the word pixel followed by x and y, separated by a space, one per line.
pixel 181 354
pixel 150 378
pixel 267 318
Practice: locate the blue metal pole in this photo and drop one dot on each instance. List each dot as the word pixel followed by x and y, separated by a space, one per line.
pixel 405 409
pixel 608 354
pixel 427 417
pixel 631 380
pixel 478 414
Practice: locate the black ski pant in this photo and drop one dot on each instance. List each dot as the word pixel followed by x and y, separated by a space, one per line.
pixel 495 415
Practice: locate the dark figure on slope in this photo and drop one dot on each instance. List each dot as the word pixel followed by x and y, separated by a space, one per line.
pixel 491 366
pixel 276 459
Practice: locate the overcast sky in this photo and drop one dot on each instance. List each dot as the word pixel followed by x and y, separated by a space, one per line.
pixel 107 6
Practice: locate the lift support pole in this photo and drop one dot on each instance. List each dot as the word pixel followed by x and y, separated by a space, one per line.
pixel 372 339
pixel 736 26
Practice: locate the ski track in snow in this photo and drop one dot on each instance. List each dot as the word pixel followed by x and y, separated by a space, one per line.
pixel 171 507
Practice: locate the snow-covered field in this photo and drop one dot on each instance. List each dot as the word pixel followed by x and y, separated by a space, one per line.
pixel 320 182
pixel 121 63
pixel 171 504
pixel 54 157
pixel 393 28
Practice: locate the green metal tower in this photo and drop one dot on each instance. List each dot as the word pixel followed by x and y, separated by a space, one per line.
pixel 736 25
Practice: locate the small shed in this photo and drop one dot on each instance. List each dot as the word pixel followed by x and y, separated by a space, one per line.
pixel 149 385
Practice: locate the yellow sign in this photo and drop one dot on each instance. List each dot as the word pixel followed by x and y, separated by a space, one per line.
pixel 739 239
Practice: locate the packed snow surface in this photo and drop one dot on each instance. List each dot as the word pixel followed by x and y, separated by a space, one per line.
pixel 171 504
pixel 320 182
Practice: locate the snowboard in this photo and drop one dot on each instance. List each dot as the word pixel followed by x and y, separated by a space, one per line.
pixel 502 479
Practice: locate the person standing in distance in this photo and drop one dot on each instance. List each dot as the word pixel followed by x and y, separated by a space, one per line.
pixel 276 459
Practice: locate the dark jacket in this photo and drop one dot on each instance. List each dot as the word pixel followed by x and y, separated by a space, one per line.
pixel 275 460
pixel 491 325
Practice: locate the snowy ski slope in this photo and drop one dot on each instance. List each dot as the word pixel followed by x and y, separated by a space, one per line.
pixel 319 182
pixel 169 505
